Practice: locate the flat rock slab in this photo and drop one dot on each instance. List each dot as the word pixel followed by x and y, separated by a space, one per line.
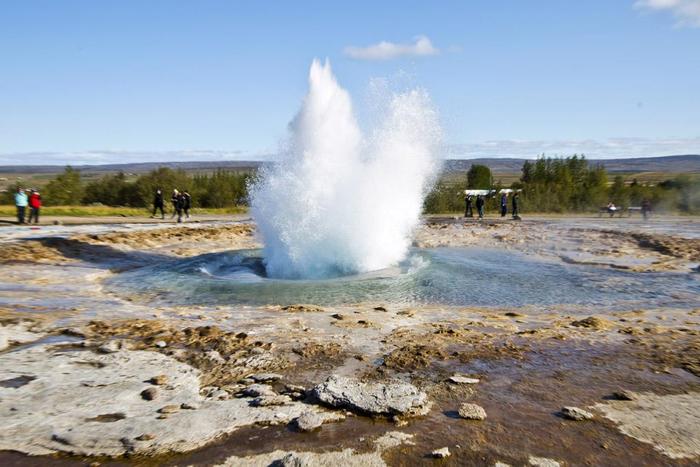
pixel 670 423
pixel 17 333
pixel 85 403
pixel 391 398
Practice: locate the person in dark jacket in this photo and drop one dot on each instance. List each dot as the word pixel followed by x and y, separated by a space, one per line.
pixel 158 204
pixel 468 200
pixel 34 206
pixel 179 205
pixel 516 201
pixel 504 204
pixel 187 203
pixel 480 206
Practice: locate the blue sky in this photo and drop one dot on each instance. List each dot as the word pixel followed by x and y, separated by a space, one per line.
pixel 109 81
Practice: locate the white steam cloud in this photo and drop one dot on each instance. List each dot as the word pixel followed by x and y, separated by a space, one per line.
pixel 341 203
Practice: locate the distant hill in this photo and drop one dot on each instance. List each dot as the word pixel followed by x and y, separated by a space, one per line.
pixel 134 167
pixel 668 164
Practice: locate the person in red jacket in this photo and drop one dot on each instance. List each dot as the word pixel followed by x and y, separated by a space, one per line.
pixel 34 206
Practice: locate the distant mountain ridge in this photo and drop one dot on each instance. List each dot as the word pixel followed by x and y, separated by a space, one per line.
pixel 675 164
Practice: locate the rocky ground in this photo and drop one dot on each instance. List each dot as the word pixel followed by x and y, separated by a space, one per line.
pixel 89 377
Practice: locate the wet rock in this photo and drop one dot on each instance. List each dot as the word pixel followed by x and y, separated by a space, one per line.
pixel 624 395
pixel 259 390
pixel 168 409
pixel 73 332
pixel 472 412
pixel 391 398
pixel 574 413
pixel 302 308
pixel 17 333
pixel 265 377
pixel 441 453
pixel 291 460
pixel 309 421
pixel 460 379
pixel 542 462
pixel 149 394
pixel 267 401
pixel 593 322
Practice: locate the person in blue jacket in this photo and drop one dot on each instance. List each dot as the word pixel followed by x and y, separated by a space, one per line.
pixel 21 201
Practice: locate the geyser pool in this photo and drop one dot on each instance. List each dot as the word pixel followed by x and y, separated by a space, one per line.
pixel 441 276
pixel 340 202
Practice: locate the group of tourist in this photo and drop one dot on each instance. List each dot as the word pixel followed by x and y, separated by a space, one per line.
pixel 481 202
pixel 180 200
pixel 24 201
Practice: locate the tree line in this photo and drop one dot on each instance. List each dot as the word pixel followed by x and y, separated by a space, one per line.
pixel 548 184
pixel 219 189
pixel 569 184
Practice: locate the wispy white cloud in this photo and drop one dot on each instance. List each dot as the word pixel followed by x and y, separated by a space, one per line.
pixel 605 149
pixel 687 12
pixel 125 157
pixel 388 50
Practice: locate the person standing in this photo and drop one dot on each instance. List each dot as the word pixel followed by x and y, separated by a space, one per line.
pixel 158 204
pixel 504 204
pixel 468 200
pixel 480 206
pixel 34 206
pixel 187 203
pixel 179 206
pixel 516 202
pixel 21 202
pixel 646 208
pixel 174 200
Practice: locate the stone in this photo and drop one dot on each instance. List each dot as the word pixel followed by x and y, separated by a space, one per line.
pixel 145 437
pixel 159 380
pixel 472 412
pixel 258 390
pixel 441 453
pixel 302 308
pixel 338 316
pixel 149 394
pixel 291 460
pixel 624 395
pixel 391 398
pixel 593 322
pixel 574 413
pixel 189 406
pixel 542 462
pixel 265 377
pixel 266 401
pixel 168 409
pixel 17 333
pixel 308 421
pixel 460 379
pixel 161 344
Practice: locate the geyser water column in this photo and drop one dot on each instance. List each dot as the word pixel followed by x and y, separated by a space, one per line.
pixel 337 202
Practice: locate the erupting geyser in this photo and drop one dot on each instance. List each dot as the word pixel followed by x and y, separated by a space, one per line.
pixel 341 203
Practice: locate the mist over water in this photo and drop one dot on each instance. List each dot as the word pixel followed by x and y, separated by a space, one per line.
pixel 341 202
